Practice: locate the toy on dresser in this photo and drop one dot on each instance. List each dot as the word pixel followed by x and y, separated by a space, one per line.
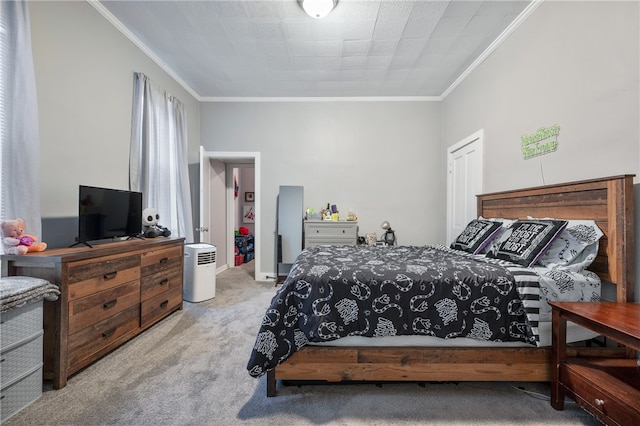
pixel 16 241
pixel 152 229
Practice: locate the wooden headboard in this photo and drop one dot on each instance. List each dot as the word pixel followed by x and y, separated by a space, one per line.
pixel 608 201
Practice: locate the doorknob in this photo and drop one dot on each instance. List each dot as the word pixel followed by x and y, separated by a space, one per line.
pixel 203 229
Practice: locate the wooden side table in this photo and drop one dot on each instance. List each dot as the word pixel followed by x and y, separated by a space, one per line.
pixel 607 387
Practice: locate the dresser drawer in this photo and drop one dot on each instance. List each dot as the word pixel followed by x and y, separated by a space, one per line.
pixel 20 322
pixel 16 361
pixel 20 394
pixel 86 277
pixel 312 242
pixel 330 229
pixel 154 284
pixel 159 260
pixel 160 305
pixel 91 339
pixel 319 233
pixel 594 385
pixel 92 309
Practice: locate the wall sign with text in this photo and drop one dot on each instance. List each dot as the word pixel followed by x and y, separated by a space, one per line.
pixel 544 141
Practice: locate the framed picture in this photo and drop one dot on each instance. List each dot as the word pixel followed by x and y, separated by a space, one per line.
pixel 249 197
pixel 248 215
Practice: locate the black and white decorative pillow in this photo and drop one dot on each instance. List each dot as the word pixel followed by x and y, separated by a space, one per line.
pixel 526 240
pixel 506 224
pixel 476 235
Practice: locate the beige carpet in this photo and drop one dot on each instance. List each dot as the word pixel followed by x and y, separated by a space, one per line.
pixel 190 369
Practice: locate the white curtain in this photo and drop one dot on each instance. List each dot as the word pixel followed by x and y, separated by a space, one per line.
pixel 20 154
pixel 158 162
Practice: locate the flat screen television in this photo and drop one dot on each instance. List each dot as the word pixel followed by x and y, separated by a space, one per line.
pixel 105 213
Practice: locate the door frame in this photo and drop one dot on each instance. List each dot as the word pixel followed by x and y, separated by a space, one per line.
pixel 476 138
pixel 230 158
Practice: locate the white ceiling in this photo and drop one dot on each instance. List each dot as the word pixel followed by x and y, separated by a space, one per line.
pixel 271 49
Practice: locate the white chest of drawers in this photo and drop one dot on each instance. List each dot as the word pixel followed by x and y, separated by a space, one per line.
pixel 324 232
pixel 20 358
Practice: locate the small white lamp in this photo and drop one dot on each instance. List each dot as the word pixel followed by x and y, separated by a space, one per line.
pixel 389 237
pixel 318 9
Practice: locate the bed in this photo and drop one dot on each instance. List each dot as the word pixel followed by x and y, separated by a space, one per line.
pixel 607 201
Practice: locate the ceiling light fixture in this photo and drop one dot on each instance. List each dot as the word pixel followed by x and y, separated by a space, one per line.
pixel 318 9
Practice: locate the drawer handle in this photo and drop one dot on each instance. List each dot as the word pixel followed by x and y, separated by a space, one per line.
pixel 2 360
pixel 109 332
pixel 343 231
pixel 317 231
pixel 164 260
pixel 164 304
pixel 109 304
pixel 110 275
pixel 163 282
pixel 599 402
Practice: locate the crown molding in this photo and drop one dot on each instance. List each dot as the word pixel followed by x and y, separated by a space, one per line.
pixel 140 45
pixel 325 99
pixel 493 46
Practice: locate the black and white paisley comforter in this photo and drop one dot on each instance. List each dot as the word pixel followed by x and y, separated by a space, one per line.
pixel 338 291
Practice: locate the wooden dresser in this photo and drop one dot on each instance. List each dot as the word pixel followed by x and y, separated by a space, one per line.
pixel 108 294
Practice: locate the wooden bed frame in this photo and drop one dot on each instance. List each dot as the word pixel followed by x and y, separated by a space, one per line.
pixel 608 201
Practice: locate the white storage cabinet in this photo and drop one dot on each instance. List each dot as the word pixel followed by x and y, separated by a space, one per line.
pixel 20 358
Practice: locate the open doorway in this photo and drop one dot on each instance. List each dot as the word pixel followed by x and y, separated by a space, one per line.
pixel 243 214
pixel 218 212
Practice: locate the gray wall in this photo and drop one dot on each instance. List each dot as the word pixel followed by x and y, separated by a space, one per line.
pixel 575 64
pixel 381 159
pixel 84 76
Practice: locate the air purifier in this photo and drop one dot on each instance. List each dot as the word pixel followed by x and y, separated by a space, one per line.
pixel 199 272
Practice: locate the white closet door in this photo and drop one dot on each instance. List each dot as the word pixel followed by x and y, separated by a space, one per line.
pixel 464 182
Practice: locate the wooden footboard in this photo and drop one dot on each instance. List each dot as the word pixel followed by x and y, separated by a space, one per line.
pixel 421 364
pixel 335 364
pixel 416 364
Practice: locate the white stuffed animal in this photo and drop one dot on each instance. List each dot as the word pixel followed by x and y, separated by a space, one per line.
pixel 152 229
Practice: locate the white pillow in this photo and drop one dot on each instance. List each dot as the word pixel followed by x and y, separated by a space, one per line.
pixel 575 248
